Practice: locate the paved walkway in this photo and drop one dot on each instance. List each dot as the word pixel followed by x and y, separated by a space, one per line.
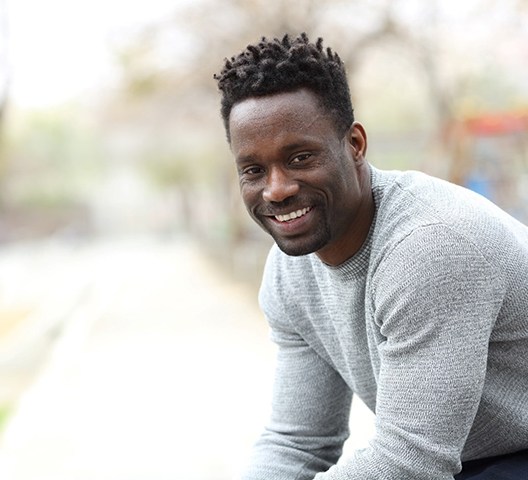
pixel 159 369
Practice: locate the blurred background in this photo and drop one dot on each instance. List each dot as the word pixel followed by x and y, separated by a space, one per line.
pixel 131 344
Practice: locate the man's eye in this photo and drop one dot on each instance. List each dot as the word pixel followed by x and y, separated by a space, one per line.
pixel 251 170
pixel 301 158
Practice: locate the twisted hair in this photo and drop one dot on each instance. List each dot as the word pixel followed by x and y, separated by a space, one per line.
pixel 276 66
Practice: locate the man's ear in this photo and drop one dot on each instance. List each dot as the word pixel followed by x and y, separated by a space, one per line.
pixel 357 138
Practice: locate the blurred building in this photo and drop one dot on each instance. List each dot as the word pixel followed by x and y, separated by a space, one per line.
pixel 490 156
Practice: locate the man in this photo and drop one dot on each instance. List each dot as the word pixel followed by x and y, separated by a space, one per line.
pixel 405 290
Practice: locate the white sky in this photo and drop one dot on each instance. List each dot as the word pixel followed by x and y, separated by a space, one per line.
pixel 60 48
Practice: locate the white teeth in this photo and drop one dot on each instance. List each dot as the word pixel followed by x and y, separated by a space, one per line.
pixel 292 215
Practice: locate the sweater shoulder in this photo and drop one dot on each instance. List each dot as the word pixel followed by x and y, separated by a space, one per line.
pixel 410 201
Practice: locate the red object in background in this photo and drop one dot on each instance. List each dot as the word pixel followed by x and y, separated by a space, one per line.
pixel 497 124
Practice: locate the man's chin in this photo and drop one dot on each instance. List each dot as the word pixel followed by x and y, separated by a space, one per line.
pixel 297 247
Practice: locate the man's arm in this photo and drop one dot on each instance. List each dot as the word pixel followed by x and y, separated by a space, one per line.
pixel 436 300
pixel 309 421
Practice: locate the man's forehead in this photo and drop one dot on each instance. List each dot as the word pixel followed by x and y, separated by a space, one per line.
pixel 297 106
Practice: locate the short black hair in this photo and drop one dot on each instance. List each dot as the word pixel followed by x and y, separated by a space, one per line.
pixel 276 66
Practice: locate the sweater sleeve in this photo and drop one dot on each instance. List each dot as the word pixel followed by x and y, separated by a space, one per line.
pixel 436 299
pixel 310 406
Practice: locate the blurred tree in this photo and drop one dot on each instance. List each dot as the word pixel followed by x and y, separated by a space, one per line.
pixel 171 63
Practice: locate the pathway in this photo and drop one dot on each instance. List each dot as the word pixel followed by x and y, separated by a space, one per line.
pixel 161 368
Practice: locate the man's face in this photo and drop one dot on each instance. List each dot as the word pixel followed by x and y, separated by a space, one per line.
pixel 300 180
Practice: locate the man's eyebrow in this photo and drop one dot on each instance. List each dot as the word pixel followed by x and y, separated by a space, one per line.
pixel 245 158
pixel 308 143
pixel 305 143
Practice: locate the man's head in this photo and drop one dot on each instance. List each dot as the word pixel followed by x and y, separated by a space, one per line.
pixel 276 66
pixel 299 154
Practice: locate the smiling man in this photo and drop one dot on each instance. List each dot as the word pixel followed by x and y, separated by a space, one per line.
pixel 402 289
pixel 332 214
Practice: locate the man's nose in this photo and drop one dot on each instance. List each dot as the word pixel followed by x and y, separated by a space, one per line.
pixel 279 186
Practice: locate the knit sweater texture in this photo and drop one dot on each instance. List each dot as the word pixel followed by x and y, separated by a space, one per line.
pixel 427 324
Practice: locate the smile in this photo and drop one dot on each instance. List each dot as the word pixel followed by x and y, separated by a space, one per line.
pixel 292 215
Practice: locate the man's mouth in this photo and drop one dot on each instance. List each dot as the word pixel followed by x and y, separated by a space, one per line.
pixel 292 215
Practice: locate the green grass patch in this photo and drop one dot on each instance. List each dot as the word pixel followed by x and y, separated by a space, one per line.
pixel 5 413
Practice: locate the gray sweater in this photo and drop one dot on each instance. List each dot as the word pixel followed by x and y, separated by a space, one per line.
pixel 427 324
